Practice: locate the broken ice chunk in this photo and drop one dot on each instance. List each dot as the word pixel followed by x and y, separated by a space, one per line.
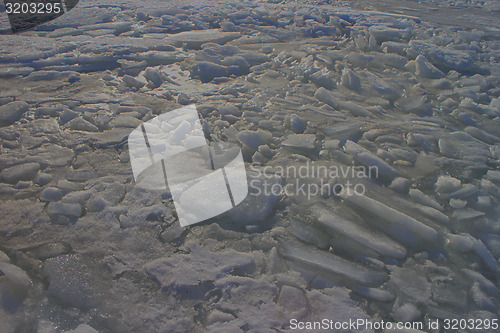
pixel 195 39
pixel 375 294
pixel 4 257
pixel 370 160
pixel 493 175
pixel 461 145
pixel 293 300
pixel 328 263
pixel 486 284
pixel 466 214
pixel 18 282
pixel 12 112
pixel 350 80
pixel 80 124
pixel 433 213
pixel 324 96
pixel 382 87
pixel 483 252
pixel 457 203
pixel 64 213
pixel 419 290
pixel 70 281
pixel 482 135
pixel 447 184
pixel 229 110
pixel 408 312
pixel 308 234
pixel 427 70
pixel 389 214
pixel 358 59
pixel 260 201
pixel 481 299
pixel 423 199
pixel 83 328
pixel 153 77
pixel 331 144
pixel 48 250
pixel 356 110
pixel 385 33
pixel 443 56
pixel 490 187
pixel 360 234
pixel 52 194
pixel 194 141
pixel 179 134
pixel 254 139
pixel 189 272
pixel 484 201
pixel 400 184
pixel 207 71
pixel 300 141
pixel 19 172
pixel 464 243
pixel 266 151
pixel 297 124
pixel 134 83
pixel 394 47
pixel 419 105
pixel 151 128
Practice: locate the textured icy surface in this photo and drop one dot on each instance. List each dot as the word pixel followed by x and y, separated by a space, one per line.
pixel 409 87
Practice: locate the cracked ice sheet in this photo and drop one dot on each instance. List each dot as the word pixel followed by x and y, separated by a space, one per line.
pixel 436 145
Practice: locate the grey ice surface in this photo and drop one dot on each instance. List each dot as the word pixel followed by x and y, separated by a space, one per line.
pixel 400 99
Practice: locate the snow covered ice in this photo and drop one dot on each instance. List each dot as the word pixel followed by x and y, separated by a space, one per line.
pixel 368 130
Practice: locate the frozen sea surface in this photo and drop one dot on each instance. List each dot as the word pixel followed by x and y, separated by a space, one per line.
pixel 399 98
